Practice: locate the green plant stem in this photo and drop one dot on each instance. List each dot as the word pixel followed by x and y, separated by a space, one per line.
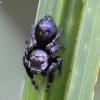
pixel 81 58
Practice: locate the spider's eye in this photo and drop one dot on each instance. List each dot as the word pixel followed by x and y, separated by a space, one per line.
pixel 42 62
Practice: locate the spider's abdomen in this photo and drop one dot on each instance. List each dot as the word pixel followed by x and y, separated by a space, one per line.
pixel 45 30
pixel 38 60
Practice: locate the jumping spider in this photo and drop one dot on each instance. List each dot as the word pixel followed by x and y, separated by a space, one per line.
pixel 39 53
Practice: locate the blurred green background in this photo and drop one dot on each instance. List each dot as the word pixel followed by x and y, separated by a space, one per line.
pixel 16 18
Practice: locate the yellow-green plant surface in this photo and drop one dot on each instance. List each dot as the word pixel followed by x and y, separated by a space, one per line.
pixel 81 58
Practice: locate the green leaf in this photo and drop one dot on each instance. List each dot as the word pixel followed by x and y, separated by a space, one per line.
pixel 81 58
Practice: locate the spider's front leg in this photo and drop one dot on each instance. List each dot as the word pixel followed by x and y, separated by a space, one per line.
pixel 33 42
pixel 29 72
pixel 59 63
pixel 52 46
pixel 26 63
pixel 51 74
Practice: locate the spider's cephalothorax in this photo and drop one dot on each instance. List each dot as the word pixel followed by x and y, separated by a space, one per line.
pixel 39 53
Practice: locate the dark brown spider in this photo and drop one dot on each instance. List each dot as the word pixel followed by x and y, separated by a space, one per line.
pixel 39 53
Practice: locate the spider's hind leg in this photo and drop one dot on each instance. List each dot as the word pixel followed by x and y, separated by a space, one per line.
pixel 53 43
pixel 53 47
pixel 33 35
pixel 33 41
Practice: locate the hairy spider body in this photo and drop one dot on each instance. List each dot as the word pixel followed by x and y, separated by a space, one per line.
pixel 45 30
pixel 39 53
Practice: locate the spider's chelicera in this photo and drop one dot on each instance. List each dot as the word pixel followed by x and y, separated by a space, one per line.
pixel 39 53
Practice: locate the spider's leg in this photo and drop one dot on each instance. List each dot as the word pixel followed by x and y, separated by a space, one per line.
pixel 59 62
pixel 53 43
pixel 25 63
pixel 44 73
pixel 58 35
pixel 32 42
pixel 52 46
pixel 27 53
pixel 33 35
pixel 33 82
pixel 56 48
pixel 29 72
pixel 51 74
